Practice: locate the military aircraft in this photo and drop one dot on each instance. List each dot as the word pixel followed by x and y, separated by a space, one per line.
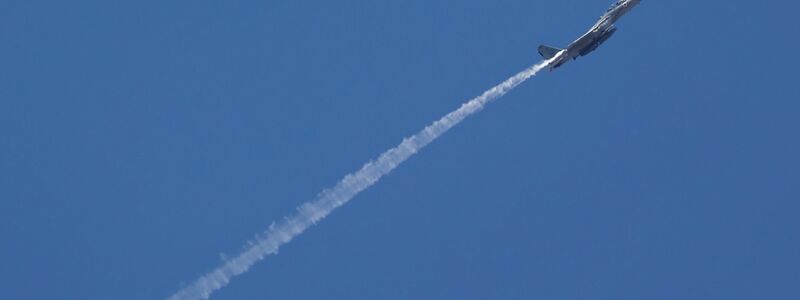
pixel 600 32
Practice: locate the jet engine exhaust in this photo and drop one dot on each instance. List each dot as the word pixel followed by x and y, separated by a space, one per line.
pixel 327 201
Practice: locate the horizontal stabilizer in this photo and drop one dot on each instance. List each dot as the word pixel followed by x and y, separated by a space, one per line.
pixel 548 52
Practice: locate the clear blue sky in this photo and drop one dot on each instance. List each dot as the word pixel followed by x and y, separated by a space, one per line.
pixel 140 139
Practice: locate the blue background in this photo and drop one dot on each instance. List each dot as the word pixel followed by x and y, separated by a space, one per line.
pixel 140 139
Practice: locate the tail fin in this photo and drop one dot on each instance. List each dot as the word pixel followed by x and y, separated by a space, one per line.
pixel 548 52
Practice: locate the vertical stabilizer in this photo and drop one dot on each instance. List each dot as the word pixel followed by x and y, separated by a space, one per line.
pixel 548 52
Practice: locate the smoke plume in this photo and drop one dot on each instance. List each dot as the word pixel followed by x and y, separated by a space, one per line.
pixel 310 213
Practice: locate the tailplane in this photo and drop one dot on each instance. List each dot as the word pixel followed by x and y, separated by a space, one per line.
pixel 548 52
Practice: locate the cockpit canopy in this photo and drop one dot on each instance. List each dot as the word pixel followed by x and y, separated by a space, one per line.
pixel 615 5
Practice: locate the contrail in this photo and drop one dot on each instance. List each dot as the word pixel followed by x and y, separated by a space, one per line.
pixel 312 212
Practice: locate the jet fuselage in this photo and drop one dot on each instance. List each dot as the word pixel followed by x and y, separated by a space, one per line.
pixel 587 43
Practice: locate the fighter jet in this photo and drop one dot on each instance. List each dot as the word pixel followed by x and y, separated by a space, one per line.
pixel 600 32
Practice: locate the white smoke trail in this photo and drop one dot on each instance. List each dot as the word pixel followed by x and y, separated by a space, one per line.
pixel 311 212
